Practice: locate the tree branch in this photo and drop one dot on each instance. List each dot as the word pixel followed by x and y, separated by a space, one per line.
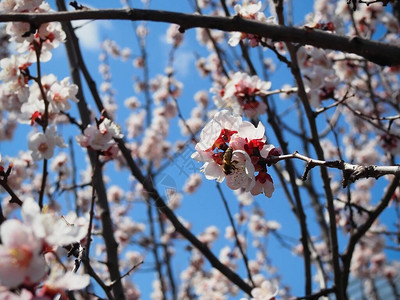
pixel 360 232
pixel 74 53
pixel 351 172
pixel 148 186
pixel 377 52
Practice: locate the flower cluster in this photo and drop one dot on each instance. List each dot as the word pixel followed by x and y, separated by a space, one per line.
pixel 320 77
pixel 174 36
pixel 31 39
pixel 236 150
pixel 252 12
pixel 239 94
pixel 47 99
pixel 42 101
pixel 101 137
pixel 266 291
pixel 42 144
pixel 166 89
pixel 23 249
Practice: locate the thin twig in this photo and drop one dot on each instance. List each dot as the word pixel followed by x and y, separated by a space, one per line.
pixel 238 243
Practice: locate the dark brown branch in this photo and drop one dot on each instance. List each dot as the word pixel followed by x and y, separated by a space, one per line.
pixel 295 202
pixel 148 186
pixel 14 197
pixel 377 52
pixel 238 244
pixel 128 272
pixel 316 296
pixel 360 232
pixel 154 249
pixel 74 54
pixel 136 172
pixel 294 68
pixel 96 277
pixel 333 242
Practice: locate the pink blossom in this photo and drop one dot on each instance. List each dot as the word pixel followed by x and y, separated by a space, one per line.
pixel 115 194
pixel 252 12
pixel 390 142
pixel 201 98
pixel 240 94
pixel 59 282
pixel 57 94
pixel 210 235
pixel 8 6
pixel 100 137
pixel 24 294
pixel 134 124
pixel 14 89
pixel 21 259
pixel 142 31
pixel 138 62
pixel 111 47
pixel 53 230
pixel 235 149
pixel 243 174
pixel 267 291
pixel 47 37
pixel 174 198
pixel 60 92
pixel 12 69
pixel 155 135
pixel 134 257
pixel 263 184
pixel 132 103
pixel 223 120
pixel 174 36
pixel 50 36
pixel 42 144
pixel 19 6
pixel 61 165
pixel 192 183
pixel 126 228
pixel 164 87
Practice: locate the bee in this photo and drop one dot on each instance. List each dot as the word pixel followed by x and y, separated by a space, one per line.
pixel 227 163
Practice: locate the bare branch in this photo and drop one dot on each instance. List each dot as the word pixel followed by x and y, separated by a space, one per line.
pixel 351 172
pixel 377 52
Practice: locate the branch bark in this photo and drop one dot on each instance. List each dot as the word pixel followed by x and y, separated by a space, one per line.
pixel 377 52
pixel 360 232
pixel 73 52
pixel 351 172
pixel 162 206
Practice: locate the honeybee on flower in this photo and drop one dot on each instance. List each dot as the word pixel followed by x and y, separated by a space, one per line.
pixel 236 150
pixel 227 164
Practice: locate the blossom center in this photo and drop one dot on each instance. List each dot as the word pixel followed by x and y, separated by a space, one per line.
pixel 21 256
pixel 43 147
pixel 57 98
